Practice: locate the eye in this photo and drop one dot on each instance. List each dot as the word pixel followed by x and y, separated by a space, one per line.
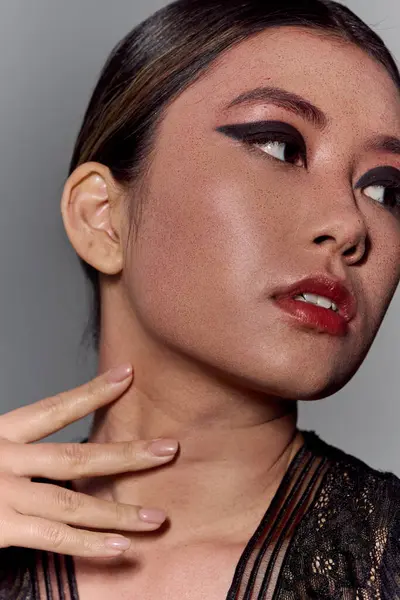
pixel 276 139
pixel 389 196
pixel 382 185
pixel 284 151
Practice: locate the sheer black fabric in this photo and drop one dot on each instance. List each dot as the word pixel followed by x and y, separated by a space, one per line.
pixel 331 532
pixel 348 547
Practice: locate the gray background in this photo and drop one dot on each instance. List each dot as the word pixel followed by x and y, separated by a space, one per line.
pixel 51 52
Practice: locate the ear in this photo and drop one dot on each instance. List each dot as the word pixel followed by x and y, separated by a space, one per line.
pixel 90 207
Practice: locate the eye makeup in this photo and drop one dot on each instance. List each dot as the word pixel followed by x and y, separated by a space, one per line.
pixel 386 177
pixel 258 133
pixel 261 133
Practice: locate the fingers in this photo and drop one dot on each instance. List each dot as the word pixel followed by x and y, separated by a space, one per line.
pixel 40 419
pixel 42 534
pixel 60 504
pixel 74 461
pixel 47 517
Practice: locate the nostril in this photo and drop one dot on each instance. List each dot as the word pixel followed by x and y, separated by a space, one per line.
pixel 351 251
pixel 322 238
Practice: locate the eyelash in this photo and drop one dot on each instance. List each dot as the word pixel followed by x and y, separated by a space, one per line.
pixel 253 142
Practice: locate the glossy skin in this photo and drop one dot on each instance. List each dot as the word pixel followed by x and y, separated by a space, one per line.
pixel 217 365
pixel 224 227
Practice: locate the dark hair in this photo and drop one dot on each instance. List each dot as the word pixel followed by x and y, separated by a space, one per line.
pixel 160 57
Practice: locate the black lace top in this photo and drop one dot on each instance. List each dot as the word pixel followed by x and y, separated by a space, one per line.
pixel 332 532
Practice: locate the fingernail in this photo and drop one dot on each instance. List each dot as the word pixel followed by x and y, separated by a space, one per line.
pixel 161 447
pixel 119 373
pixel 117 543
pixel 152 515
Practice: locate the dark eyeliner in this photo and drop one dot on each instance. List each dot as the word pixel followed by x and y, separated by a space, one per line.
pixel 386 176
pixel 258 132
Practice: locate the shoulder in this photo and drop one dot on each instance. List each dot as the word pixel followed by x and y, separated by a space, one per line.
pixel 358 482
pixel 356 516
pixel 369 496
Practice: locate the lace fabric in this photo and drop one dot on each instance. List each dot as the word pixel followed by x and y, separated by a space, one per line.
pixel 348 547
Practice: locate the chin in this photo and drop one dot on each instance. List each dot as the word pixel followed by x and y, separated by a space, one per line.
pixel 304 377
pixel 308 388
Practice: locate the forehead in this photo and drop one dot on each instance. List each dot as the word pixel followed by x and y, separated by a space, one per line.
pixel 335 75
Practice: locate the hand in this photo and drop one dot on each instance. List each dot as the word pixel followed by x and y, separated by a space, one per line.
pixel 35 515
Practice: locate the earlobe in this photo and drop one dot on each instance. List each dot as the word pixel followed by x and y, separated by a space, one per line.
pixel 90 207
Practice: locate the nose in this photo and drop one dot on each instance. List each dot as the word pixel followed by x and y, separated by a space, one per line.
pixel 341 229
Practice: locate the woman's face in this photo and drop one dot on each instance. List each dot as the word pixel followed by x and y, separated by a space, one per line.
pixel 227 223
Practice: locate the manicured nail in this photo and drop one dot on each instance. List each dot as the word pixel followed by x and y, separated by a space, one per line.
pixel 161 447
pixel 117 543
pixel 119 373
pixel 152 515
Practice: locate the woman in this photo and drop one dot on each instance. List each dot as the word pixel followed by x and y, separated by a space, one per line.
pixel 234 199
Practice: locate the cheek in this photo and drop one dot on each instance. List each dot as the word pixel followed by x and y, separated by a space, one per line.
pixel 205 249
pixel 196 244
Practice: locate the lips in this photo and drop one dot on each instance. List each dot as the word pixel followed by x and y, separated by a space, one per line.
pixel 316 316
pixel 325 286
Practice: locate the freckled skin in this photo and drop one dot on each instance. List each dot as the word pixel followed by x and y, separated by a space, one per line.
pixel 222 227
pixel 216 364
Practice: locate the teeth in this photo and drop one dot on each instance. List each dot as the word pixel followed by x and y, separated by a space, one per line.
pixel 318 300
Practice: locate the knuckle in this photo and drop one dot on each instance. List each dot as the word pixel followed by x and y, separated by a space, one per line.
pixel 90 542
pixel 120 513
pixel 70 502
pixel 53 404
pixel 130 451
pixel 55 535
pixel 73 455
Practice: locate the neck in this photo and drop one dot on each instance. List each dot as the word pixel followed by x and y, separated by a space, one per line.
pixel 235 443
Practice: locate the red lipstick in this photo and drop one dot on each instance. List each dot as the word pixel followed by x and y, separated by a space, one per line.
pixel 316 317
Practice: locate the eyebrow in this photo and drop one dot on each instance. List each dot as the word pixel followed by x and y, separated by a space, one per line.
pixel 280 97
pixel 385 143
